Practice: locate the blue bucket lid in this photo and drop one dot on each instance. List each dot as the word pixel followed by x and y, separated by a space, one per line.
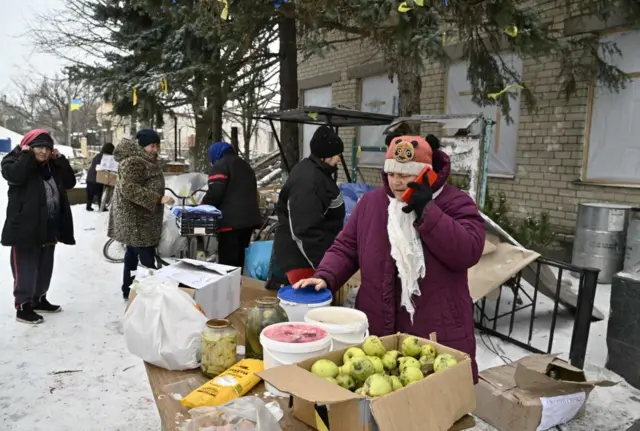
pixel 306 295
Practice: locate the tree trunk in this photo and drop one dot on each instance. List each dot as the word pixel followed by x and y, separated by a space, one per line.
pixel 288 86
pixel 198 153
pixel 409 86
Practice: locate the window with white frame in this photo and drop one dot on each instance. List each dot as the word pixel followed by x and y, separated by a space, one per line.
pixel 504 139
pixel 379 95
pixel 320 96
pixel 612 143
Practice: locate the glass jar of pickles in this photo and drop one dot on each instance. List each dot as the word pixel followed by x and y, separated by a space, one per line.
pixel 219 342
pixel 267 311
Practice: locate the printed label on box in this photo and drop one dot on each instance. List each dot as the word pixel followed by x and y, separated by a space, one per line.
pixel 560 409
pixel 616 220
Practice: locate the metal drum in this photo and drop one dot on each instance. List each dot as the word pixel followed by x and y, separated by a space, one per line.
pixel 632 248
pixel 600 238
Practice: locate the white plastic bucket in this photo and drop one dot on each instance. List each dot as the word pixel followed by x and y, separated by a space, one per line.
pixel 276 353
pixel 296 311
pixel 347 326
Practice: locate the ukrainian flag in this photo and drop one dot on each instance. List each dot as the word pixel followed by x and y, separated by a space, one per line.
pixel 76 104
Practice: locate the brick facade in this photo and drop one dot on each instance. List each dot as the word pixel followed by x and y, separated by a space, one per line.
pixel 550 141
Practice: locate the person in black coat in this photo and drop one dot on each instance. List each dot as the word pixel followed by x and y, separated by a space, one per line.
pixel 94 188
pixel 310 208
pixel 38 217
pixel 233 189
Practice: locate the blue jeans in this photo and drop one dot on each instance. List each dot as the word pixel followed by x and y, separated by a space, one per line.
pixel 147 257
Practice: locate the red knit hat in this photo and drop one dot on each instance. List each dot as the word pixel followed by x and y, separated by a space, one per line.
pixel 408 155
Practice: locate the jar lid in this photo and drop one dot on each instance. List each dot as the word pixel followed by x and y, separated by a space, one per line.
pixel 305 295
pixel 218 323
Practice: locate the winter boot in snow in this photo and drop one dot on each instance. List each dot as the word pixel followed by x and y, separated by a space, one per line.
pixel 25 314
pixel 44 306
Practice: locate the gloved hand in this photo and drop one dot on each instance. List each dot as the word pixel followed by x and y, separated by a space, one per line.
pixel 422 195
pixel 55 154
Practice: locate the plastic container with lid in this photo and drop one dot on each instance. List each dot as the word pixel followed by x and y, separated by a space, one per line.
pixel 292 342
pixel 297 302
pixel 347 326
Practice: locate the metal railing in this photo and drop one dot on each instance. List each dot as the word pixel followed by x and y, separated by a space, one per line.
pixel 501 323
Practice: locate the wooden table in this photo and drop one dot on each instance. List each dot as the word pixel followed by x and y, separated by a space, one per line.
pixel 172 413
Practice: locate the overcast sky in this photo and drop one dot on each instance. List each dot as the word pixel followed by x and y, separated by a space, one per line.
pixel 17 54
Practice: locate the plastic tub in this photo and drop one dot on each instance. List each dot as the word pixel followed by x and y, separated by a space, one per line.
pixel 292 342
pixel 345 325
pixel 296 302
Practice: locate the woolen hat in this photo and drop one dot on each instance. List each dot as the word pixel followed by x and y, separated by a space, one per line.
pixel 42 140
pixel 408 155
pixel 147 137
pixel 326 143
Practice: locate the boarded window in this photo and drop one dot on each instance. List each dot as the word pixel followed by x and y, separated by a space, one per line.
pixel 379 95
pixel 504 139
pixel 320 96
pixel 613 131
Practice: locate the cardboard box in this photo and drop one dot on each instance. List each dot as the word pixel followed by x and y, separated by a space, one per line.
pixel 436 403
pixel 522 396
pixel 215 287
pixel 107 178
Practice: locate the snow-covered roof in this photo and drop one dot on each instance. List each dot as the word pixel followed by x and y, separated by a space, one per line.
pixel 6 133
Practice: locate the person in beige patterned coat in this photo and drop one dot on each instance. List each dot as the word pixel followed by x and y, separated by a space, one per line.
pixel 135 219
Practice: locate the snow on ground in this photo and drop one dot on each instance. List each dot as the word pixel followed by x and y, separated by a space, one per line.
pixel 74 372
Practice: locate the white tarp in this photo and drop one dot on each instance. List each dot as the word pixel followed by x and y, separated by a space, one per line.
pixel 502 158
pixel 465 155
pixel 614 148
pixel 380 96
pixel 15 137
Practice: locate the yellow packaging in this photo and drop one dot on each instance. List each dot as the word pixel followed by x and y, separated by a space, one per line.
pixel 232 384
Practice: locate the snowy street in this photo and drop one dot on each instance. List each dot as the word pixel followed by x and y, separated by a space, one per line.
pixel 74 372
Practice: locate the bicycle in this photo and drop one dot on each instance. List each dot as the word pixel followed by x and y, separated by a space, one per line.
pixel 107 194
pixel 198 240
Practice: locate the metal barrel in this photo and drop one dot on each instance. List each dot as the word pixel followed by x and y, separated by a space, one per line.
pixel 632 247
pixel 600 236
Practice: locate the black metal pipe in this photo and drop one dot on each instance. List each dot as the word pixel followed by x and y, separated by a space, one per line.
pixel 584 310
pixel 175 138
pixel 282 156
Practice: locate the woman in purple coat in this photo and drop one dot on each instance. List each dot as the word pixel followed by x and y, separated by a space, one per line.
pixel 413 257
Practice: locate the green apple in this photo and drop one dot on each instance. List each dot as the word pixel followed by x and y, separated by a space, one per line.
pixel 409 363
pixel 352 352
pixel 410 375
pixel 443 362
pixel 373 346
pixel 390 360
pixel 377 363
pixel 427 350
pixel 362 368
pixel 378 385
pixel 396 383
pixel 332 380
pixel 346 381
pixel 347 368
pixel 410 347
pixel 324 368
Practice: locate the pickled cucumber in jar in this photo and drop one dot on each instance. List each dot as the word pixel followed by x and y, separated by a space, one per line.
pixel 267 311
pixel 218 349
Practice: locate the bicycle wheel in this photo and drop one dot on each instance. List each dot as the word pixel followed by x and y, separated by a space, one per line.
pixel 106 197
pixel 113 251
pixel 269 232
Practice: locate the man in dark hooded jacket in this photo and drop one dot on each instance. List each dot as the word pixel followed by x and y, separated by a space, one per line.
pixel 38 217
pixel 233 189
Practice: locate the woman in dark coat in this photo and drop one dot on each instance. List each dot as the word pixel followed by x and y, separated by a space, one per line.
pixel 94 188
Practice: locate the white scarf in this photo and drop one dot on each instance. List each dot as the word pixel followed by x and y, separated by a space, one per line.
pixel 406 250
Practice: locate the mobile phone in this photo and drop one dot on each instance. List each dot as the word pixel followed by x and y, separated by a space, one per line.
pixel 431 177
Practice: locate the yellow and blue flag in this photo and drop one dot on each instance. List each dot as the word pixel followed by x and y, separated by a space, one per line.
pixel 76 104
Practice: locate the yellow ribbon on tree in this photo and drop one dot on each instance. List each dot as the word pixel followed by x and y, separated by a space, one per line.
pixel 404 6
pixel 511 31
pixel 164 87
pixel 135 97
pixel 494 96
pixel 225 10
pixel 313 115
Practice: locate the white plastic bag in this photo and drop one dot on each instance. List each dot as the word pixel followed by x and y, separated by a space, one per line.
pixel 162 325
pixel 246 413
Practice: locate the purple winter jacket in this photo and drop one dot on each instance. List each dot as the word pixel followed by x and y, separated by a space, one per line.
pixel 452 233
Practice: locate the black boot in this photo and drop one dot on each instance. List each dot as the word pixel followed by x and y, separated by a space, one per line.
pixel 89 208
pixel 44 306
pixel 25 314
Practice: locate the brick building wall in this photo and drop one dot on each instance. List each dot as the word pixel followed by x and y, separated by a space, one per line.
pixel 550 141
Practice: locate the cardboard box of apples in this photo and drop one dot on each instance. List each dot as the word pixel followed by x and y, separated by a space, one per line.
pixel 394 382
